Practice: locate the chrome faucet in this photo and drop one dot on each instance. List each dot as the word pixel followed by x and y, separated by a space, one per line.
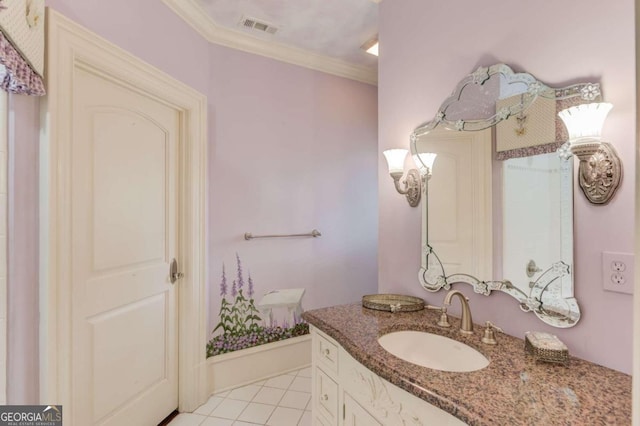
pixel 466 323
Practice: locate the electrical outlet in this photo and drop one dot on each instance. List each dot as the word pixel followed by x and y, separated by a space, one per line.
pixel 618 266
pixel 618 279
pixel 617 272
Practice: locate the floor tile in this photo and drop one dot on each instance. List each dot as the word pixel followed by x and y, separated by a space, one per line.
pixel 305 372
pixel 284 417
pixel 187 419
pixel 295 399
pixel 217 421
pixel 306 419
pixel 283 400
pixel 302 384
pixel 268 395
pixel 280 382
pixel 229 409
pixel 206 408
pixel 256 413
pixel 245 393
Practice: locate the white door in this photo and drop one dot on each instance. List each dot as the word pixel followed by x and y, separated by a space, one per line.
pixel 124 225
pixel 459 201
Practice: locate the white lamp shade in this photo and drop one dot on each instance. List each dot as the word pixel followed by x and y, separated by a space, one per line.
pixel 395 160
pixel 585 121
pixel 427 158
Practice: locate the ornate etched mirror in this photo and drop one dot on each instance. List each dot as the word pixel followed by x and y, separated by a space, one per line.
pixel 530 191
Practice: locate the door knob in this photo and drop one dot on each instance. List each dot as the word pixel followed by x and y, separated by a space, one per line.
pixel 174 275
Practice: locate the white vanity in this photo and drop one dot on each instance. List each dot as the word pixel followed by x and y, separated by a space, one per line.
pixel 357 382
pixel 347 393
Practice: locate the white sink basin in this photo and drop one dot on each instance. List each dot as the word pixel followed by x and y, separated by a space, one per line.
pixel 433 351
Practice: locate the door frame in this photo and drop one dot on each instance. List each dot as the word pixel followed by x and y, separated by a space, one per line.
pixel 76 47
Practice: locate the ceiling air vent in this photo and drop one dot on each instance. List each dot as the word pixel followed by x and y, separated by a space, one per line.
pixel 252 23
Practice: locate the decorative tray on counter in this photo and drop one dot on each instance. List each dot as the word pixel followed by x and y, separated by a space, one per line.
pixel 392 302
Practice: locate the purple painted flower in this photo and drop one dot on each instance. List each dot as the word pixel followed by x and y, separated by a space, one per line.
pixel 234 289
pixel 250 286
pixel 240 280
pixel 223 283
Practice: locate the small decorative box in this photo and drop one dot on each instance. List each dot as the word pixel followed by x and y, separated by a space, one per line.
pixel 545 347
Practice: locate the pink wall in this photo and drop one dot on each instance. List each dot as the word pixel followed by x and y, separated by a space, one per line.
pixel 289 149
pixel 426 49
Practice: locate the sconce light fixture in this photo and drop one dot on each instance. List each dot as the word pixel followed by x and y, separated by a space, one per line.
pixel 411 186
pixel 600 169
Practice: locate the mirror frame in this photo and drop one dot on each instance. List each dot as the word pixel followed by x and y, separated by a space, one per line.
pixel 432 275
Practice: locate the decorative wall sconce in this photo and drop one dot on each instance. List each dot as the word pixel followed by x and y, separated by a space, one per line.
pixel 411 186
pixel 600 170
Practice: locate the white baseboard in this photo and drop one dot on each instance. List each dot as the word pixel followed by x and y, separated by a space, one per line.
pixel 239 368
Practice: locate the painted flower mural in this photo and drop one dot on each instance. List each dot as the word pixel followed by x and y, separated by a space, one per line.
pixel 240 325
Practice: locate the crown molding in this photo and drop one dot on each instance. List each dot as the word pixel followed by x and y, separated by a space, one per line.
pixel 198 18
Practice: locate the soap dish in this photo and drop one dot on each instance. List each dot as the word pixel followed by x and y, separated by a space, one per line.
pixel 392 302
pixel 545 347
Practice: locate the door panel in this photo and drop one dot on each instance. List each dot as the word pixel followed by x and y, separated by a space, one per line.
pixel 459 223
pixel 451 203
pixel 124 231
pixel 124 237
pixel 117 381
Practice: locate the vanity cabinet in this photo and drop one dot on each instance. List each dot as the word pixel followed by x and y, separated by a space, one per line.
pixel 356 415
pixel 345 393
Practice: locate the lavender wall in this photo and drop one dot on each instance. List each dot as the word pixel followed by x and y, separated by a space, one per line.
pixel 22 283
pixel 293 150
pixel 426 49
pixel 289 149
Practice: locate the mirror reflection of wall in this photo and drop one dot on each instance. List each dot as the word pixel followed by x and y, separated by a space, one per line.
pixel 531 216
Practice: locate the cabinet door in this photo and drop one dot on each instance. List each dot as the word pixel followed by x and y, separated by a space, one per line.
pixel 355 415
pixel 325 394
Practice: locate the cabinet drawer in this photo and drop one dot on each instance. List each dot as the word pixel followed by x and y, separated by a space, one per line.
pixel 326 395
pixel 326 353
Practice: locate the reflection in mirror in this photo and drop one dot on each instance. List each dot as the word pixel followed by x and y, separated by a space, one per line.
pixel 532 201
pixel 537 238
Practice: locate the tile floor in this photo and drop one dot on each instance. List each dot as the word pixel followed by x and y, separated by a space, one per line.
pixel 279 401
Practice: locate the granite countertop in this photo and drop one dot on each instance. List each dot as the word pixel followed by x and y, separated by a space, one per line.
pixel 513 390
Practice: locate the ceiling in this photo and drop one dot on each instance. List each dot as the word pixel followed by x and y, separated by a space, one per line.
pixel 320 34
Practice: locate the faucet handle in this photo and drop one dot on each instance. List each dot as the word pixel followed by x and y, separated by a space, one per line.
pixel 444 318
pixel 489 333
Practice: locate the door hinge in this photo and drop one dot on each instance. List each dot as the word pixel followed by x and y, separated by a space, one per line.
pixel 174 275
pixel 344 411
